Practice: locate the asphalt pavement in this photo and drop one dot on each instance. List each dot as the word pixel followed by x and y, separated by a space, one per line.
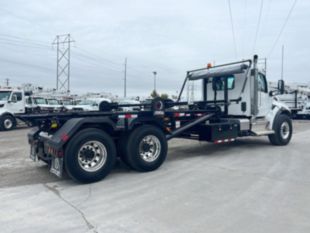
pixel 243 186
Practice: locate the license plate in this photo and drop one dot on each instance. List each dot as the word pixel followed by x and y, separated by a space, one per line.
pixel 57 166
pixel 33 154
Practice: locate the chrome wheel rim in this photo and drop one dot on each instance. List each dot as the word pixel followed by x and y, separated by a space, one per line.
pixel 8 123
pixel 149 148
pixel 92 156
pixel 285 130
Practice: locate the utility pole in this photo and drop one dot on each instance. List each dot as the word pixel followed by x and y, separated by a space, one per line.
pixel 155 73
pixel 7 82
pixel 125 78
pixel 282 62
pixel 63 44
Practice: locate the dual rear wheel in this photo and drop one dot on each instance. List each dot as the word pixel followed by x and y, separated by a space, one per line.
pixel 144 149
pixel 91 154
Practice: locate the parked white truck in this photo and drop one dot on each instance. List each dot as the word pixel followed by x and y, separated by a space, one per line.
pixel 298 102
pixel 12 102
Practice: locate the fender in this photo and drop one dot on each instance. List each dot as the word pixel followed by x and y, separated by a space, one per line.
pixel 146 120
pixel 70 128
pixel 278 108
pixel 6 113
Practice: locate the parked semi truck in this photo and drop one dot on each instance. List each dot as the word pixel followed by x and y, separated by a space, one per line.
pixel 235 103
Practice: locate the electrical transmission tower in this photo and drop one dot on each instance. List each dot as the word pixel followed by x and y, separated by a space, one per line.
pixel 63 43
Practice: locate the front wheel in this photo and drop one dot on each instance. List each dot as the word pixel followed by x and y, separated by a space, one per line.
pixel 283 131
pixel 146 148
pixel 7 122
pixel 90 156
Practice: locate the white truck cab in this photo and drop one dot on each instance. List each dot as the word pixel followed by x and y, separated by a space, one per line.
pixel 12 101
pixel 241 91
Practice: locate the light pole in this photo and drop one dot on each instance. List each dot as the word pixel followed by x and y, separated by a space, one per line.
pixel 155 73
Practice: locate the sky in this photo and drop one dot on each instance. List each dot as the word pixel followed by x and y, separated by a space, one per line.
pixel 166 36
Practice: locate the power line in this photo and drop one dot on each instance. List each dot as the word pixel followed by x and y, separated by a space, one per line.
pixel 232 28
pixel 23 40
pixel 17 44
pixel 244 26
pixel 282 28
pixel 26 64
pixel 258 24
pixel 93 56
pixel 94 62
pixel 106 63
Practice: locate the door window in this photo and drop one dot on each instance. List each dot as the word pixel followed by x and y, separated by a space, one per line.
pixel 220 83
pixel 18 95
pixel 262 84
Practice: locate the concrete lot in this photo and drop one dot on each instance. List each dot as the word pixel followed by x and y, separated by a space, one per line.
pixel 245 186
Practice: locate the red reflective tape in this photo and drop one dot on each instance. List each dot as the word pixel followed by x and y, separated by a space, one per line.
pixel 127 116
pixel 179 114
pixel 64 137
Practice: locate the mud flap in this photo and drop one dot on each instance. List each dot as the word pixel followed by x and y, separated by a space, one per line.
pixel 33 154
pixel 57 166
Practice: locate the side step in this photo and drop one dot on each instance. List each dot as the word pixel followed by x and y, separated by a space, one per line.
pixel 263 133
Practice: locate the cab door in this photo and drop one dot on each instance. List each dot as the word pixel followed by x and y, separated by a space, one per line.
pixel 264 100
pixel 17 103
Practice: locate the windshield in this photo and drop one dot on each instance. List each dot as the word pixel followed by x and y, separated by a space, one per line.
pixel 87 102
pixel 5 95
pixel 52 102
pixel 40 100
pixel 67 102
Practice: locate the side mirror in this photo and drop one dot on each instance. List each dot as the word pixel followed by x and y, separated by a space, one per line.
pixel 14 98
pixel 271 93
pixel 281 86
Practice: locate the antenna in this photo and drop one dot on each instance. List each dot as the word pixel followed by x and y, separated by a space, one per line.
pixel 282 62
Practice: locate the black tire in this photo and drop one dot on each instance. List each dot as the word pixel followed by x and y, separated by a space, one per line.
pixel 132 153
pixel 158 104
pixel 283 131
pixel 105 106
pixel 7 122
pixel 72 162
